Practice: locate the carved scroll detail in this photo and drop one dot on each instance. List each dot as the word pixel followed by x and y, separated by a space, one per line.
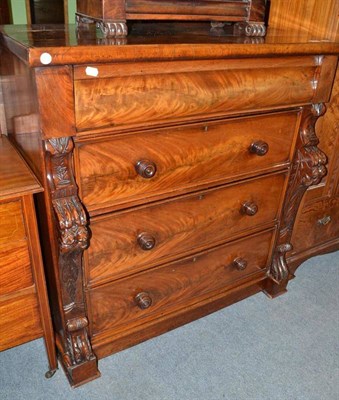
pixel 78 343
pixel 73 239
pixel 308 169
pixel 110 29
pixel 250 29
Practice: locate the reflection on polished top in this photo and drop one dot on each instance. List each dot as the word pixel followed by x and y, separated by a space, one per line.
pixel 67 45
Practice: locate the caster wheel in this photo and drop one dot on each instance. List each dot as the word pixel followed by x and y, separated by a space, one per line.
pixel 50 373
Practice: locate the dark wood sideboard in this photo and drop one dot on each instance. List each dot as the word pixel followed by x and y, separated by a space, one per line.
pixel 247 17
pixel 173 169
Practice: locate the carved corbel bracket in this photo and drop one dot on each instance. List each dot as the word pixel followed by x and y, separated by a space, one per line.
pixel 308 169
pixel 71 220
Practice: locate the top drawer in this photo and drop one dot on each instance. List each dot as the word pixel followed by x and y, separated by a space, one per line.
pixel 127 95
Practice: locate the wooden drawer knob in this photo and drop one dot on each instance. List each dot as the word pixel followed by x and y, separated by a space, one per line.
pixel 259 147
pixel 240 263
pixel 143 300
pixel 249 208
pixel 146 168
pixel 146 241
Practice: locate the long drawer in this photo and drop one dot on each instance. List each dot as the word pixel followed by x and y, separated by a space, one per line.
pixel 130 169
pixel 125 95
pixel 165 289
pixel 126 242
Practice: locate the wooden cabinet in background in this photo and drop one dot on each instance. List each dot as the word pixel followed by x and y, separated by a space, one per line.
pixel 24 306
pixel 317 225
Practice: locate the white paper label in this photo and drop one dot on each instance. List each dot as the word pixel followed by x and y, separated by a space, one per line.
pixel 45 58
pixel 91 71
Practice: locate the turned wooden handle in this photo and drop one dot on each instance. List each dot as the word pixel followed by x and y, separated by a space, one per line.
pixel 240 263
pixel 143 300
pixel 146 168
pixel 146 241
pixel 249 208
pixel 259 147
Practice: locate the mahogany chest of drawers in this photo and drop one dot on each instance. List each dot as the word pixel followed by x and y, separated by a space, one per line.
pixel 172 175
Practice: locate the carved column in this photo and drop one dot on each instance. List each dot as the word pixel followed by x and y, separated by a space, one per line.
pixel 308 169
pixel 77 356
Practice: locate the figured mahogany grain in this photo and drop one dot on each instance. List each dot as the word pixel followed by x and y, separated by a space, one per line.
pixel 179 227
pixel 179 96
pixel 317 223
pixel 111 341
pixel 176 285
pixel 56 114
pixel 185 158
pixel 319 19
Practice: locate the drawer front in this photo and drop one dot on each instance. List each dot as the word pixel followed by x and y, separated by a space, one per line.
pixel 20 321
pixel 126 242
pixel 316 224
pixel 15 268
pixel 124 95
pixel 182 159
pixel 12 228
pixel 15 265
pixel 176 285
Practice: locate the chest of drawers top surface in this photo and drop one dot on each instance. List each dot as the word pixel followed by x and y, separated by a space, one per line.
pixel 66 46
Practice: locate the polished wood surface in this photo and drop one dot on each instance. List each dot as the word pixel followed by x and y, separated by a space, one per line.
pixel 179 226
pixel 318 19
pixel 186 158
pixel 15 177
pixel 177 95
pixel 176 285
pixel 60 101
pixel 65 47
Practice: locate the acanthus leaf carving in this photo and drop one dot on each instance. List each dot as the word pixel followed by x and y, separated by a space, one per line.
pixel 308 169
pixel 72 228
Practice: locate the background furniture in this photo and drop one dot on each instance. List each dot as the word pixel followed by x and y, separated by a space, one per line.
pixel 24 308
pixel 248 16
pixel 316 229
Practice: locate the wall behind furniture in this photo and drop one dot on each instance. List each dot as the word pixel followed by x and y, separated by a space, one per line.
pixel 19 11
